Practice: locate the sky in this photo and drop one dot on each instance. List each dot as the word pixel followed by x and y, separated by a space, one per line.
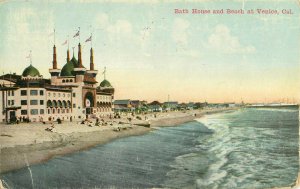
pixel 150 52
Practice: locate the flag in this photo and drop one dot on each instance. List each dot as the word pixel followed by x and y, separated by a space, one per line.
pixel 65 42
pixel 76 35
pixel 89 39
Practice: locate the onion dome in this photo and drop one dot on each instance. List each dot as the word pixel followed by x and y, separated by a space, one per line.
pixel 30 71
pixel 105 83
pixel 68 69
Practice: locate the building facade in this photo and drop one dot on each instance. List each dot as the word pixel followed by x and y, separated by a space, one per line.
pixel 72 93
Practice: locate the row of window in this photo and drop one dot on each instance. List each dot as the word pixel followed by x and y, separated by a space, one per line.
pixel 10 93
pixel 33 112
pixel 103 97
pixel 58 111
pixel 59 94
pixel 67 81
pixel 32 102
pixel 10 102
pixel 32 92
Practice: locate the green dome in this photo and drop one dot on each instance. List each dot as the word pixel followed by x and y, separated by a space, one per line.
pixel 30 71
pixel 68 69
pixel 105 83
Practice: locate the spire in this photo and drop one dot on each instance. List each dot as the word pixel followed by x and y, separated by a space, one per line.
pixel 54 62
pixel 68 55
pixel 92 60
pixel 73 51
pixel 79 56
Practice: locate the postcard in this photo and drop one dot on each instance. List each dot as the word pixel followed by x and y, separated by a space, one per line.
pixel 149 94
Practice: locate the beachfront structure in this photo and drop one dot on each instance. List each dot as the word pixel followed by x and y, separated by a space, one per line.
pixel 155 106
pixel 72 92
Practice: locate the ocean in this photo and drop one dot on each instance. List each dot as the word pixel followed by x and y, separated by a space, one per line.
pixel 247 148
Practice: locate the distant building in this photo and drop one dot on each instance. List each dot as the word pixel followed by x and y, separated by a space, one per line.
pixel 172 105
pixel 155 106
pixel 122 105
pixel 71 92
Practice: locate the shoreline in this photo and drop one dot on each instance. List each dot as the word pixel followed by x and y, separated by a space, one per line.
pixel 72 137
pixel 35 145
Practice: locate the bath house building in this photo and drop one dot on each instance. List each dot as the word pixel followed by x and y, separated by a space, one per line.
pixel 72 93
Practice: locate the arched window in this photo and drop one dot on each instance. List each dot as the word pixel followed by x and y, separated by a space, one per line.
pixel 71 80
pixel 63 81
pixel 54 103
pixel 59 104
pixel 69 104
pixel 67 81
pixel 64 104
pixel 49 104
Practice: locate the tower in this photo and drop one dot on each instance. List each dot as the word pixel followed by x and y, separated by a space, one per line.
pixel 92 66
pixel 54 71
pixel 80 70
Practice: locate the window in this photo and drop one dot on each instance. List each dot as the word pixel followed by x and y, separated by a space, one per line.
pixel 74 105
pixel 23 102
pixel 33 92
pixel 34 111
pixel 33 102
pixel 41 92
pixel 41 102
pixel 42 111
pixel 54 94
pixel 49 94
pixel 23 112
pixel 8 93
pixel 58 94
pixel 49 111
pixel 12 93
pixel 74 95
pixel 12 102
pixel 8 102
pixel 23 92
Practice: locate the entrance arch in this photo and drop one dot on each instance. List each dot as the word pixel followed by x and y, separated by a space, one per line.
pixel 89 102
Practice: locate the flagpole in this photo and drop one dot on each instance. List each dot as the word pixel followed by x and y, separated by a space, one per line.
pixel 54 36
pixel 91 40
pixel 68 42
pixel 79 33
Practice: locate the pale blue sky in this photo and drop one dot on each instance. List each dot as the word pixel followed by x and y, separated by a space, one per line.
pixel 191 57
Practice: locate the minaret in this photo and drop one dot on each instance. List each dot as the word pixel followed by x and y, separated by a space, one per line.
pixel 68 55
pixel 92 66
pixel 79 57
pixel 80 70
pixel 54 62
pixel 92 60
pixel 54 71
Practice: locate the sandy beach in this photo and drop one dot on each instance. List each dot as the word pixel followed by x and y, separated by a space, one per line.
pixel 30 143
